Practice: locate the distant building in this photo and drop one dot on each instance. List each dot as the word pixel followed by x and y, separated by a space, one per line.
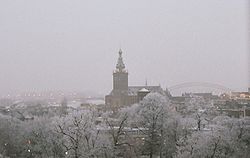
pixel 242 98
pixel 181 100
pixel 206 96
pixel 122 94
pixel 237 113
pixel 240 95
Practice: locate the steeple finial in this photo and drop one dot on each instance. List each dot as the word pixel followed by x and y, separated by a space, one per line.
pixel 120 65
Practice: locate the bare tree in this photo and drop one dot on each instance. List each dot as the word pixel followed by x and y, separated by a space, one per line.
pixel 81 137
pixel 152 113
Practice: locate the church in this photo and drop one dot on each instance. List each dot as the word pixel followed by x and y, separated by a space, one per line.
pixel 124 95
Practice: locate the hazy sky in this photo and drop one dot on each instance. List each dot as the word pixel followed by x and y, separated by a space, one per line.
pixel 73 44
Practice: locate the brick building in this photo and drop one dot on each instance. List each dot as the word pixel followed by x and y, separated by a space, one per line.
pixel 122 94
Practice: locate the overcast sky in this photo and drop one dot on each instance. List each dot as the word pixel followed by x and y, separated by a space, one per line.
pixel 73 44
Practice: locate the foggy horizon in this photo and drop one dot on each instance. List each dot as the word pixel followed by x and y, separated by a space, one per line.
pixel 124 79
pixel 65 45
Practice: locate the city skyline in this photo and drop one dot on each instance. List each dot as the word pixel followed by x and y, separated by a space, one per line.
pixel 74 47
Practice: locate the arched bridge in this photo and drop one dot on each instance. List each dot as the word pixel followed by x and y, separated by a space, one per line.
pixel 200 84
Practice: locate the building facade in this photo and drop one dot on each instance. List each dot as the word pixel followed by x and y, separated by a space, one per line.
pixel 123 94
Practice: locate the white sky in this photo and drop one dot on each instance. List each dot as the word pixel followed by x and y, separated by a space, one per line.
pixel 73 44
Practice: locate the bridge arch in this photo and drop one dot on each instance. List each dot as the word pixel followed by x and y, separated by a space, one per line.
pixel 200 84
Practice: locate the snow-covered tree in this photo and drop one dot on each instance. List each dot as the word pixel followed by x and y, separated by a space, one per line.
pixel 201 110
pixel 40 138
pixel 11 141
pixel 120 132
pixel 153 118
pixel 228 138
pixel 81 136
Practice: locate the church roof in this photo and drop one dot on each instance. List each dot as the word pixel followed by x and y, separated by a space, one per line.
pixel 133 90
pixel 144 90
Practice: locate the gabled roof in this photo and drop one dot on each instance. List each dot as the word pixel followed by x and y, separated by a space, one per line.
pixel 144 90
pixel 133 90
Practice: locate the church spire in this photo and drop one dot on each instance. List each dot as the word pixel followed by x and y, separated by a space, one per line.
pixel 120 65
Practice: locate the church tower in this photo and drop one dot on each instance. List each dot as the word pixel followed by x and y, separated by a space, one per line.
pixel 120 77
pixel 122 94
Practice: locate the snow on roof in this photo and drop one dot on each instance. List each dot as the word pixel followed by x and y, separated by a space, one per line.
pixel 144 90
pixel 132 90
